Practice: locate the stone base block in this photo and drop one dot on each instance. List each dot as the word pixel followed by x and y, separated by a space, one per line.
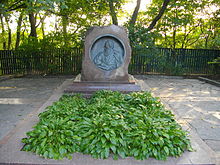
pixel 87 88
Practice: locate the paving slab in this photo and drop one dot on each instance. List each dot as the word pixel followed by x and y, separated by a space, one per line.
pixel 20 96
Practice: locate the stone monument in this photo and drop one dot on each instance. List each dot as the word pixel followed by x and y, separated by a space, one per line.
pixel 106 57
pixel 107 54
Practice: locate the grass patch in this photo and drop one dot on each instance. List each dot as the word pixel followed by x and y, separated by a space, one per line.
pixel 108 124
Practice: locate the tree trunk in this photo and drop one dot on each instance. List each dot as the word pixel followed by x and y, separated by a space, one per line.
pixel 3 32
pixel 56 24
pixel 174 37
pixel 42 23
pixel 184 37
pixel 135 13
pixel 207 38
pixel 165 36
pixel 32 21
pixel 65 24
pixel 18 34
pixel 42 29
pixel 23 31
pixel 160 14
pixel 113 13
pixel 175 29
pixel 9 33
pixel 206 41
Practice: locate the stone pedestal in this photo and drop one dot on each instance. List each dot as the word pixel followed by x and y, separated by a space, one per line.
pixel 107 54
pixel 87 88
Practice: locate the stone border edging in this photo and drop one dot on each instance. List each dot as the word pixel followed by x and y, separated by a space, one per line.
pixel 213 82
pixel 8 77
pixel 3 78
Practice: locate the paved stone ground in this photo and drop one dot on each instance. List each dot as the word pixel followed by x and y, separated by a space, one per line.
pixel 192 101
pixel 20 96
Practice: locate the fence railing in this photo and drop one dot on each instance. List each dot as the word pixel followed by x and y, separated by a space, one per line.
pixel 143 61
pixel 56 61
pixel 173 61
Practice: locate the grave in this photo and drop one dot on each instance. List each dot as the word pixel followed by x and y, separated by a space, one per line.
pixel 106 57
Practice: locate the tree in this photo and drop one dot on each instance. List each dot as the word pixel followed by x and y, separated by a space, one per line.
pixel 18 33
pixel 160 14
pixel 3 32
pixel 210 30
pixel 180 26
pixel 9 32
pixel 113 13
pixel 31 8
pixel 165 23
pixel 135 13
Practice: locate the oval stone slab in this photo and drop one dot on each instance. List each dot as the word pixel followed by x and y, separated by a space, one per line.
pixel 107 54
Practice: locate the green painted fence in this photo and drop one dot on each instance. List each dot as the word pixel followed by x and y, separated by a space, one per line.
pixel 173 61
pixel 56 61
pixel 143 61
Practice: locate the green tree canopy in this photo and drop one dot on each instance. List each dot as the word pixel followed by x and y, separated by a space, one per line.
pixel 164 23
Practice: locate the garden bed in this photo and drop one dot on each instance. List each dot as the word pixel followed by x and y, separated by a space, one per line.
pixel 109 124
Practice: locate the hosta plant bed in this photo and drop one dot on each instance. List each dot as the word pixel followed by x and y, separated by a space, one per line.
pixel 108 124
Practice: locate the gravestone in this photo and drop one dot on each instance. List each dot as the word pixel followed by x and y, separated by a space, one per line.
pixel 107 54
pixel 106 57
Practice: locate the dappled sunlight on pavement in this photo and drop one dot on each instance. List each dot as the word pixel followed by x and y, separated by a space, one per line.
pixel 15 101
pixel 6 88
pixel 193 102
pixel 21 96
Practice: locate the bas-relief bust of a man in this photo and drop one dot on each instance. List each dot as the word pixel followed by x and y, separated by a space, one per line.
pixel 107 54
pixel 108 58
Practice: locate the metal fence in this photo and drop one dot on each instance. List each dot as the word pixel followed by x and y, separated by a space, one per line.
pixel 174 61
pixel 56 61
pixel 143 61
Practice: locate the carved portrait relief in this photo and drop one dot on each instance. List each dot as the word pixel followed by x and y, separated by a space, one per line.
pixel 107 53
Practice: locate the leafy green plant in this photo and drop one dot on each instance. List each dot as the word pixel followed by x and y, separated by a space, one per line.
pixel 140 37
pixel 109 124
pixel 173 69
pixel 215 61
pixel 216 65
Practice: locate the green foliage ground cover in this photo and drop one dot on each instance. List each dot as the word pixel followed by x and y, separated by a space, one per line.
pixel 109 124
